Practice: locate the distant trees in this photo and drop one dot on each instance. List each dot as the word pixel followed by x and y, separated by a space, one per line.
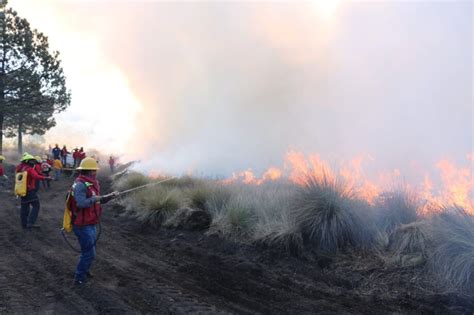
pixel 32 81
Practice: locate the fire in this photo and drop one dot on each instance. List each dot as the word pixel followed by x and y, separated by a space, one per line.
pixel 248 177
pixel 457 185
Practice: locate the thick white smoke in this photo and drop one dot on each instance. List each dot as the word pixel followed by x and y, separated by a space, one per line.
pixel 228 86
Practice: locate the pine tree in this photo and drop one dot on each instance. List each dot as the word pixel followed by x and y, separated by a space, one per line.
pixel 32 81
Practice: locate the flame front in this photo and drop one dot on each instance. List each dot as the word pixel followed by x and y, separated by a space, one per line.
pixel 457 185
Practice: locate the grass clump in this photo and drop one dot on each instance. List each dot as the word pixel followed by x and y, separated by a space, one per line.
pixel 235 220
pixel 396 208
pixel 155 205
pixel 328 216
pixel 453 255
pixel 410 238
pixel 130 180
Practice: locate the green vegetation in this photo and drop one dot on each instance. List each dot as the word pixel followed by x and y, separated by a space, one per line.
pixel 32 81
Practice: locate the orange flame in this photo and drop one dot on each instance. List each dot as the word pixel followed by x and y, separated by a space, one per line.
pixel 457 182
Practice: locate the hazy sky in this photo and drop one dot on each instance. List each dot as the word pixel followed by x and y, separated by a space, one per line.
pixel 221 86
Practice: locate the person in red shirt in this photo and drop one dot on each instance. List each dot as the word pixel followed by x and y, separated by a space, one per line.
pixel 2 170
pixel 64 153
pixel 82 154
pixel 112 164
pixel 38 170
pixel 3 177
pixel 31 200
pixel 46 168
pixel 75 156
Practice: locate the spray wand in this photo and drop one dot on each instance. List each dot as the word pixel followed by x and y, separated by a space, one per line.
pixel 116 195
pixel 143 186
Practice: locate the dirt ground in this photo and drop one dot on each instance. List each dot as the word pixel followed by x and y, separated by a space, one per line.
pixel 142 270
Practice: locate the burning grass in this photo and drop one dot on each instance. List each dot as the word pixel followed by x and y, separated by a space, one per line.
pixel 396 208
pixel 323 215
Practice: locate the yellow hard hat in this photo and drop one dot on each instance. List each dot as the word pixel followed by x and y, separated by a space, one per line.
pixel 2 158
pixel 88 164
pixel 26 157
pixel 38 158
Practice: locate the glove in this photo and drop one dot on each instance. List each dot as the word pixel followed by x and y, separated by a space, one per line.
pixel 109 197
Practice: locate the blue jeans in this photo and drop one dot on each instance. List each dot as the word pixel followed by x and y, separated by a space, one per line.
pixel 29 218
pixel 58 174
pixel 86 235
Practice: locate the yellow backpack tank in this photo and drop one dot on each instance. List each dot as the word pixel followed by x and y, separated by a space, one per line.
pixel 21 183
pixel 67 217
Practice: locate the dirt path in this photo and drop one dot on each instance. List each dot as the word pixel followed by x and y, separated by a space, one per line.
pixel 140 270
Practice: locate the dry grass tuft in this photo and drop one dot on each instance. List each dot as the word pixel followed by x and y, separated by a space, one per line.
pixel 410 238
pixel 130 180
pixel 329 217
pixel 153 206
pixel 396 208
pixel 453 256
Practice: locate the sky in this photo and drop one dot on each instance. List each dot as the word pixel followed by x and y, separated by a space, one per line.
pixel 213 87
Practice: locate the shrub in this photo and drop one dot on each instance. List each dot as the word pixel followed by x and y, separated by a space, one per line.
pixel 395 208
pixel 329 218
pixel 453 254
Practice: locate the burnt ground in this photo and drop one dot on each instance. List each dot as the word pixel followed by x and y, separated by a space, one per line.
pixel 144 270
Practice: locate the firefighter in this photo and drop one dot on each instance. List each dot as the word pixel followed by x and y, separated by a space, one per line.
pixel 30 200
pixel 64 153
pixel 46 170
pixel 112 164
pixel 57 166
pixel 38 170
pixel 85 203
pixel 2 170
pixel 56 151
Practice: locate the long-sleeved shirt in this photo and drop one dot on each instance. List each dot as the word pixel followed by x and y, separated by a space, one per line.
pixel 57 165
pixel 56 153
pixel 33 176
pixel 80 194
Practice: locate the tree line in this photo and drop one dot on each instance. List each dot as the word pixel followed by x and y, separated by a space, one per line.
pixel 32 81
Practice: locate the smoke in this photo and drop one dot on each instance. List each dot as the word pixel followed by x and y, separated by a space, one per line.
pixel 228 86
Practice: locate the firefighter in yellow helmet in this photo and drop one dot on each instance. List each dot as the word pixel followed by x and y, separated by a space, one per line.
pixel 30 199
pixel 85 201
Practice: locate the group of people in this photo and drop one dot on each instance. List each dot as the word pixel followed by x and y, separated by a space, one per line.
pixel 84 200
pixel 77 156
pixel 61 154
